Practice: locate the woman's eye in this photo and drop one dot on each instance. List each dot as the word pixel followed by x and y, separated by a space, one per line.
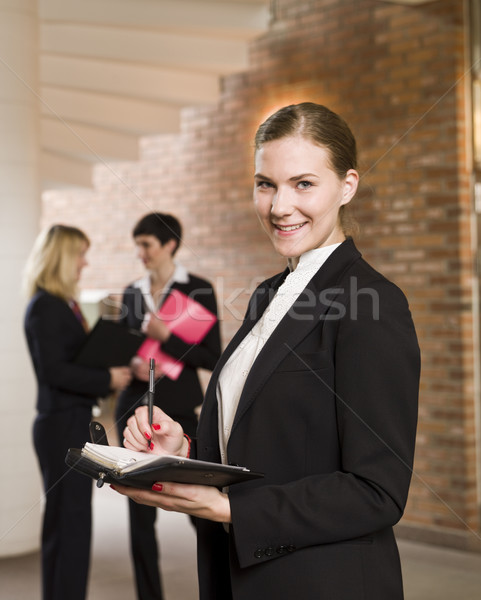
pixel 304 185
pixel 263 185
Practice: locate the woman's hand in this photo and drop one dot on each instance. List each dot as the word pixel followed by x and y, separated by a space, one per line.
pixel 201 501
pixel 140 368
pixel 120 377
pixel 155 328
pixel 166 436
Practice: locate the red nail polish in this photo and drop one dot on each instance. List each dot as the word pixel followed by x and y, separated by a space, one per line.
pixel 151 446
pixel 147 435
pixel 157 487
pixel 112 487
pixel 156 426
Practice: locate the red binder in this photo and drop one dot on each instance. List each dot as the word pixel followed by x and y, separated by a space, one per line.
pixel 187 319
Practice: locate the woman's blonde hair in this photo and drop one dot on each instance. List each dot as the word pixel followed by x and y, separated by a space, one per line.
pixel 52 264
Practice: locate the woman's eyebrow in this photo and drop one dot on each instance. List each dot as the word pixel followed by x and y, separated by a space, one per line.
pixel 302 176
pixel 293 178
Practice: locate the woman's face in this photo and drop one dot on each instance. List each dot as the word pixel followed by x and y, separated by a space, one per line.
pixel 297 195
pixel 151 252
pixel 81 260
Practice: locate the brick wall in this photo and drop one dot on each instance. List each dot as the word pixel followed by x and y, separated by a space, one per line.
pixel 397 74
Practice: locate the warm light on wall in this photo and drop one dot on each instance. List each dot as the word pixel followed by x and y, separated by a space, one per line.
pixel 476 78
pixel 477 121
pixel 272 107
pixel 290 99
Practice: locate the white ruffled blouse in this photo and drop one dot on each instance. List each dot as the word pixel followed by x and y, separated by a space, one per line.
pixel 233 375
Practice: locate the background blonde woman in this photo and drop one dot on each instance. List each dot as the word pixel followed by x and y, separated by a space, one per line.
pixel 55 330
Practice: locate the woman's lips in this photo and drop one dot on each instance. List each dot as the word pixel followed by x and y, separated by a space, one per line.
pixel 288 228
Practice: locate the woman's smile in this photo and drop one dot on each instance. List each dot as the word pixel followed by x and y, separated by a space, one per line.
pixel 288 228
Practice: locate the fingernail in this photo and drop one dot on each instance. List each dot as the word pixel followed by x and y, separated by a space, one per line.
pixel 157 487
pixel 156 426
pixel 151 446
pixel 147 435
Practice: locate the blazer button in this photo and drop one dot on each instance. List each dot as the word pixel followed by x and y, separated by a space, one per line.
pixel 291 548
pixel 259 553
pixel 281 549
pixel 269 551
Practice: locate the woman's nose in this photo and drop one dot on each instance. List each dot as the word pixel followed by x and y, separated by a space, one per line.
pixel 281 204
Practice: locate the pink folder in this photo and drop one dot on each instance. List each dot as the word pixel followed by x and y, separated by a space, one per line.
pixel 187 319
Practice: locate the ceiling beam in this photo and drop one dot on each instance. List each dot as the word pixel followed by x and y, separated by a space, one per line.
pixel 203 54
pixel 135 117
pixel 243 20
pixel 129 80
pixel 92 144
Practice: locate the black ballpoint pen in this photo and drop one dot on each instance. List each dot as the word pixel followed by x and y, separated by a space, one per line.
pixel 150 394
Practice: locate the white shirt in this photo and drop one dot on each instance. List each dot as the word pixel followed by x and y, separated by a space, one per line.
pixel 233 375
pixel 180 275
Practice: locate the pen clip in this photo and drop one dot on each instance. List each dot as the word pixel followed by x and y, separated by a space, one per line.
pixel 152 375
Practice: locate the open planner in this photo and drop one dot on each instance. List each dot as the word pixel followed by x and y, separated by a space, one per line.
pixel 112 464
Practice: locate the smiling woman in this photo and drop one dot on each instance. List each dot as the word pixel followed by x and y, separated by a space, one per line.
pixel 317 390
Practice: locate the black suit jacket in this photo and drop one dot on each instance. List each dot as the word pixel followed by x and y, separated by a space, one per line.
pixel 328 413
pixel 54 336
pixel 178 398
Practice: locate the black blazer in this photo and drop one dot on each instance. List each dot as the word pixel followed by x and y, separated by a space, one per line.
pixel 54 336
pixel 178 398
pixel 328 413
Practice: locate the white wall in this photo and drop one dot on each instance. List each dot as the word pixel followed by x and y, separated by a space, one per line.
pixel 20 497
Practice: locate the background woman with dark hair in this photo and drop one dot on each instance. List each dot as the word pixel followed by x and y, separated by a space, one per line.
pixel 55 331
pixel 157 237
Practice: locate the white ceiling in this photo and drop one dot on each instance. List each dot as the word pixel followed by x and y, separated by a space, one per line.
pixel 114 70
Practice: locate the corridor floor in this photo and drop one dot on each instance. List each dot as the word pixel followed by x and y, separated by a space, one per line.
pixel 430 573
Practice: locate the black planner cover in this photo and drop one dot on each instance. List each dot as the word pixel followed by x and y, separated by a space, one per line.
pixel 109 344
pixel 165 468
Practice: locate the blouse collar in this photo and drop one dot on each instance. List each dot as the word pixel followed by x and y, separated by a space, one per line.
pixel 180 275
pixel 315 257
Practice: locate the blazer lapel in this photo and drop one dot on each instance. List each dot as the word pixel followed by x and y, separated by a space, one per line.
pixel 306 312
pixel 257 305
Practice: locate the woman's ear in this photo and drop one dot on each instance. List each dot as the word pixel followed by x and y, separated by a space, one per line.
pixel 350 183
pixel 171 245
